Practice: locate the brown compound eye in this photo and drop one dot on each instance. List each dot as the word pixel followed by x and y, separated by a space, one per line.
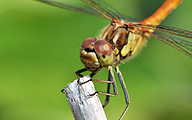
pixel 103 47
pixel 104 52
pixel 88 41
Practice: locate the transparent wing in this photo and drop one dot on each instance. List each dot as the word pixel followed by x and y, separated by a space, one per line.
pixel 61 4
pixel 177 38
pixel 184 46
pixel 103 8
pixel 99 8
pixel 166 29
pixel 174 31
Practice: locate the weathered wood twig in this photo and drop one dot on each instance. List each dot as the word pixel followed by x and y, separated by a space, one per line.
pixel 84 106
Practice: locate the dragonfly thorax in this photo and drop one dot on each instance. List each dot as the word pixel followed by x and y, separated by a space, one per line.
pixel 126 39
pixel 96 54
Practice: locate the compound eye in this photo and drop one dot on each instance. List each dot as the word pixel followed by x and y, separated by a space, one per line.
pixel 103 47
pixel 88 41
pixel 104 52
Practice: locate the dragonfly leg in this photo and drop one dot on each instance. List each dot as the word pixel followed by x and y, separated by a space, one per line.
pixel 108 91
pixel 78 73
pixel 107 97
pixel 124 90
pixel 111 80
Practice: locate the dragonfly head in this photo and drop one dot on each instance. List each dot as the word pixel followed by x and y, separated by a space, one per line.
pixel 96 54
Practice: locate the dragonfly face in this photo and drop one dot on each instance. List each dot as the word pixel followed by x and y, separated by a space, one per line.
pixel 96 54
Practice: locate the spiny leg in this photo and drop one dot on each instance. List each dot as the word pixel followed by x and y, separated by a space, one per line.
pixel 107 97
pixel 108 91
pixel 124 90
pixel 78 73
pixel 111 80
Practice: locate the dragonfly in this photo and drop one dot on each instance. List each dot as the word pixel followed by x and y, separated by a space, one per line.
pixel 123 39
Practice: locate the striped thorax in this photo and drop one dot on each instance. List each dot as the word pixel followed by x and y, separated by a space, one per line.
pixel 117 42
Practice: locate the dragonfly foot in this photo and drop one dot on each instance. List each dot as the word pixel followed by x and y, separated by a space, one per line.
pixel 63 91
pixel 93 93
pixel 81 83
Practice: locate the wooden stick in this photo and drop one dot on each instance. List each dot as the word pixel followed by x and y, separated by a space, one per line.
pixel 84 106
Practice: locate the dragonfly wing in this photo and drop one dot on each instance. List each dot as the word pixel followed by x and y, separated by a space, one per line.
pixel 174 31
pixel 103 8
pixel 184 46
pixel 99 8
pixel 83 9
pixel 166 29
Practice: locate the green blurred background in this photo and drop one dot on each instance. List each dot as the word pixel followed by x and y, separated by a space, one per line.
pixel 39 54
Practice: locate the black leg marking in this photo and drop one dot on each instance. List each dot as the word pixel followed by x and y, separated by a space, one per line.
pixel 78 73
pixel 92 74
pixel 108 91
pixel 111 80
pixel 62 91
